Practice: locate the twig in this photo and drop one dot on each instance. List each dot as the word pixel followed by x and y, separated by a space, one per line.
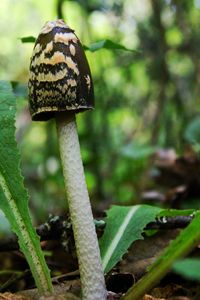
pixel 15 276
pixel 57 227
pixel 53 229
pixel 170 223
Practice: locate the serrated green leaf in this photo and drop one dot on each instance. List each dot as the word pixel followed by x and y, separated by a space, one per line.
pixel 124 225
pixel 178 248
pixel 13 195
pixel 28 39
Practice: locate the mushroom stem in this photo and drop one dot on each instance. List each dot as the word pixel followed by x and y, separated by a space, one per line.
pixel 91 272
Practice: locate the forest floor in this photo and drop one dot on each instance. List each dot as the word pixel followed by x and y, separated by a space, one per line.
pixel 177 183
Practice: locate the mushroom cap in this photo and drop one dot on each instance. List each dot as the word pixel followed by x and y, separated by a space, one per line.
pixel 60 78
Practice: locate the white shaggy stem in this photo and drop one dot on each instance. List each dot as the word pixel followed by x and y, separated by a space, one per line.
pixel 91 272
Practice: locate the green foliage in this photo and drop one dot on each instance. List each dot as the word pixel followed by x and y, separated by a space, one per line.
pixel 124 225
pixel 188 268
pixel 104 44
pixel 28 39
pixel 192 132
pixel 137 152
pixel 176 212
pixel 142 100
pixel 107 44
pixel 182 245
pixel 13 195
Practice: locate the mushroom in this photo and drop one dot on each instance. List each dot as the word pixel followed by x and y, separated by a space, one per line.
pixel 60 85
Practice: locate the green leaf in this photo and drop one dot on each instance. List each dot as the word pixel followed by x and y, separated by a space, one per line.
pixel 124 225
pixel 178 248
pixel 188 268
pixel 13 195
pixel 106 44
pixel 28 39
pixel 176 212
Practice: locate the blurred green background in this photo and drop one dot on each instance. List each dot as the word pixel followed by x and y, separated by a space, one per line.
pixel 145 100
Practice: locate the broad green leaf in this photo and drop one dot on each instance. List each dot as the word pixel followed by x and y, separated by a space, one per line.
pixel 28 39
pixel 178 248
pixel 188 268
pixel 124 225
pixel 13 195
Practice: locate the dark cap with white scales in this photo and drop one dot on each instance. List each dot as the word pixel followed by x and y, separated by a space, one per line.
pixel 60 77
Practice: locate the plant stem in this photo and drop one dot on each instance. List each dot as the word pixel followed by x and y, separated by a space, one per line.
pixel 92 278
pixel 182 245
